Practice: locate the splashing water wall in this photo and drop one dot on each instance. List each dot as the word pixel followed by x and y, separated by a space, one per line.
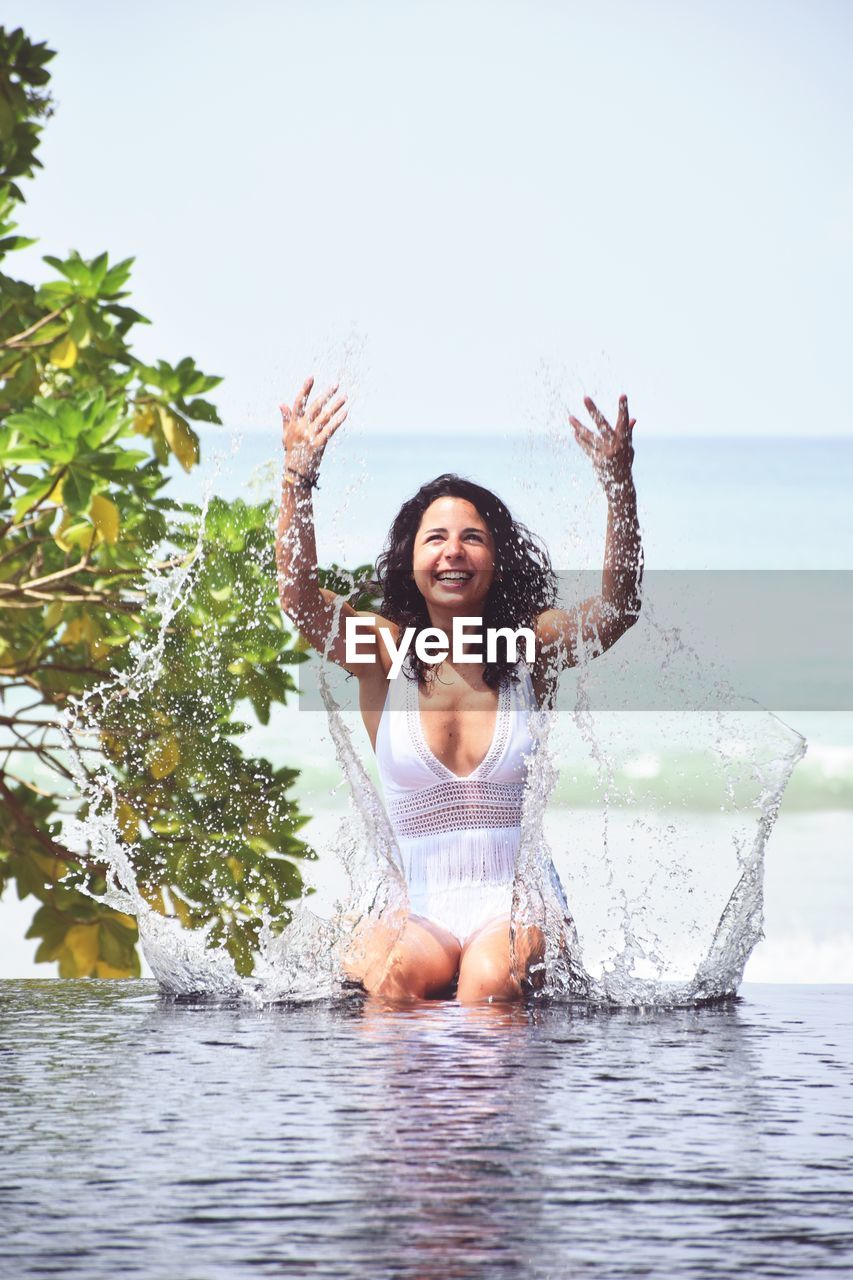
pixel 653 789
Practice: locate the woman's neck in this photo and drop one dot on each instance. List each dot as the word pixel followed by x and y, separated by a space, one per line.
pixel 442 619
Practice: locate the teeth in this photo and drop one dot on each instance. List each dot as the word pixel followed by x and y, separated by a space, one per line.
pixel 454 577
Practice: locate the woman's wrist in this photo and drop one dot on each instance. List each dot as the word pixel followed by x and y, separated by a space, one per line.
pixel 299 480
pixel 299 472
pixel 621 492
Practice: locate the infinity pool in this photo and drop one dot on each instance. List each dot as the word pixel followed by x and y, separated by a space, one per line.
pixel 142 1136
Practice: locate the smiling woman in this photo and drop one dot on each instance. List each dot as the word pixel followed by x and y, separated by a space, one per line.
pixel 452 731
pixel 455 554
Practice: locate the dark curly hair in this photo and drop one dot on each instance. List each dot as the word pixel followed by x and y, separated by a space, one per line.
pixel 524 583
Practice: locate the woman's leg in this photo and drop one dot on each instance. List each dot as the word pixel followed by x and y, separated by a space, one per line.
pixel 485 968
pixel 422 965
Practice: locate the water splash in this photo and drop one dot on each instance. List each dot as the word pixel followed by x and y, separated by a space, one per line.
pixel 615 944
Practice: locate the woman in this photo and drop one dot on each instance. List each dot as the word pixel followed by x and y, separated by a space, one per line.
pixel 453 761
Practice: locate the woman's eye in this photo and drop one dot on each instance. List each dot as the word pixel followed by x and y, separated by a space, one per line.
pixel 433 537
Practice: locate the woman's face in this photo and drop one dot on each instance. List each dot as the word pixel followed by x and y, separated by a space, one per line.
pixel 453 558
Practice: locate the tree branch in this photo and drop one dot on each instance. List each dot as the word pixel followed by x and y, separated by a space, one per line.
pixel 34 328
pixel 44 498
pixel 47 842
pixel 38 599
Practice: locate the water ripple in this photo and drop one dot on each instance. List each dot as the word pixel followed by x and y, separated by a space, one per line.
pixel 358 1139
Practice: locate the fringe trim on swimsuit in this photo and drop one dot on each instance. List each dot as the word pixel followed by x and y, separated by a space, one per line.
pixel 462 881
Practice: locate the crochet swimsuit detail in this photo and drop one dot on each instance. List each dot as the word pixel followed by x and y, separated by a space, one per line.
pixel 458 837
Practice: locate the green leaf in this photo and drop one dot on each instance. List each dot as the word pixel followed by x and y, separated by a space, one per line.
pixel 202 411
pixel 23 454
pixel 7 116
pixel 117 276
pixel 77 490
pixel 32 496
pixel 9 243
pixel 79 330
pixel 73 268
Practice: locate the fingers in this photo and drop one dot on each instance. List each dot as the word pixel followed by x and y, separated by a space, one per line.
pixel 597 417
pixel 317 406
pixel 321 411
pixel 622 425
pixel 330 412
pixel 324 436
pixel 311 429
pixel 583 435
pixel 302 399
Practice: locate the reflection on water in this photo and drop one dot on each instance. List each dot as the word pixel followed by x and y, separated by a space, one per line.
pixel 466 1185
pixel 360 1139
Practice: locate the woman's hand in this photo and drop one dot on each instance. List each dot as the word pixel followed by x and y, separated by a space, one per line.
pixel 307 429
pixel 610 448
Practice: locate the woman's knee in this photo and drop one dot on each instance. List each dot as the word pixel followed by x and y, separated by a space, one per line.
pixel 485 970
pixel 422 965
pixel 492 968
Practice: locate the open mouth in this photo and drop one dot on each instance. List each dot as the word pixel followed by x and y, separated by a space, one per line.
pixel 454 576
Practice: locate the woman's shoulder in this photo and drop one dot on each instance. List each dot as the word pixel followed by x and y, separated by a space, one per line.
pixel 533 683
pixel 383 628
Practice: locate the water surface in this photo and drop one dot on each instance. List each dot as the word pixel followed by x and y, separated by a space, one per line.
pixel 145 1136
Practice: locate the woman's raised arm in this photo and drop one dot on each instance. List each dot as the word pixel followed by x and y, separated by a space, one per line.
pixel 599 621
pixel 319 614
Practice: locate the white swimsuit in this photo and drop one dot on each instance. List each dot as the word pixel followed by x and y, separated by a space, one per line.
pixel 458 837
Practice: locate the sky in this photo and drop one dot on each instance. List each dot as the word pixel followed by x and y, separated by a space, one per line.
pixel 473 212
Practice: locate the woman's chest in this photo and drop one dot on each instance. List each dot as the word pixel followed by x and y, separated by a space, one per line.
pixel 459 724
pixel 455 735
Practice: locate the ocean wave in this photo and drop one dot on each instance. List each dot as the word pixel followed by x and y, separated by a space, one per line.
pixel 823 780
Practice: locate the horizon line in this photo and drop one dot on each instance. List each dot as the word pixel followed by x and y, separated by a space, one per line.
pixel 213 428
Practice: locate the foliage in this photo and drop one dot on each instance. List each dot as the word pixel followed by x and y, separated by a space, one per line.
pixel 87 433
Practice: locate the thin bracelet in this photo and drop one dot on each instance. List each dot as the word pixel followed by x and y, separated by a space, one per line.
pixel 310 482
